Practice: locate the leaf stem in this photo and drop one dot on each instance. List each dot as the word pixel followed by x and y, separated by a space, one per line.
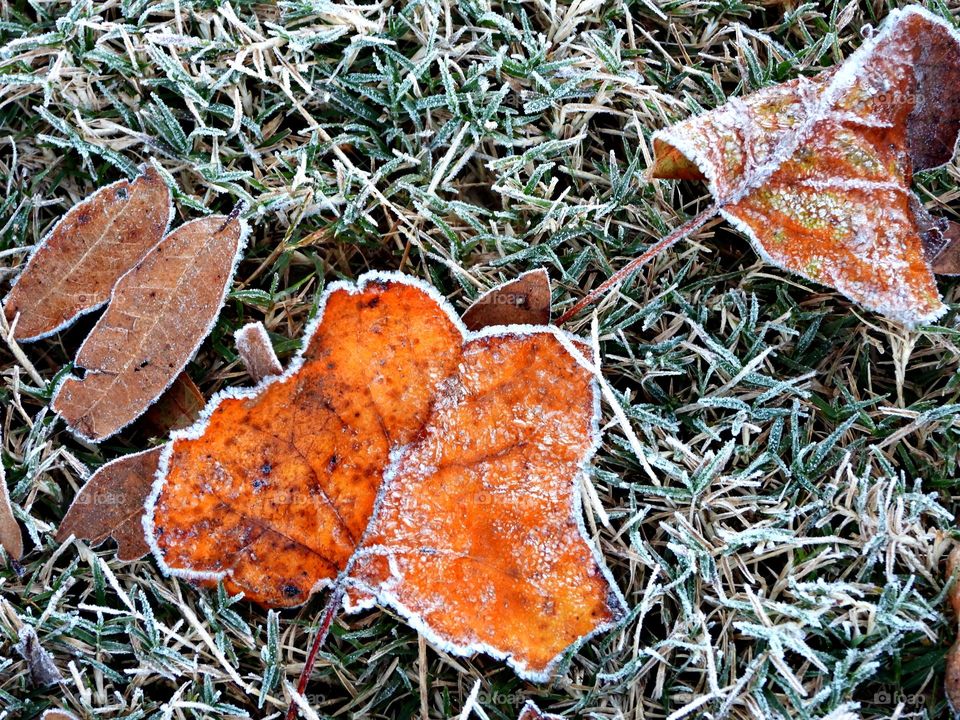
pixel 329 613
pixel 623 273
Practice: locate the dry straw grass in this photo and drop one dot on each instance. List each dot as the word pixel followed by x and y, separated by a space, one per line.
pixel 781 536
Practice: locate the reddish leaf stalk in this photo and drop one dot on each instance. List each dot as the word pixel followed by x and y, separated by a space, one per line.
pixel 326 622
pixel 623 273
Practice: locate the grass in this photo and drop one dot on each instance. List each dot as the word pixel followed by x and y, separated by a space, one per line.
pixel 781 536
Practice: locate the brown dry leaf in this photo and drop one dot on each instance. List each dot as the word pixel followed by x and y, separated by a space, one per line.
pixel 256 351
pixel 530 711
pixel 946 261
pixel 817 172
pixel 10 537
pixel 523 301
pixel 74 268
pixel 177 408
pixel 43 671
pixel 951 680
pixel 58 715
pixel 473 442
pixel 158 315
pixel 111 505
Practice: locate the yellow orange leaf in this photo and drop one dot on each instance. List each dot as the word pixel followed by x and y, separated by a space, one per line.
pixel 817 172
pixel 431 468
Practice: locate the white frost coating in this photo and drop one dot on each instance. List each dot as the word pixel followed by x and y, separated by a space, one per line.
pixel 813 111
pixel 382 595
pixel 46 238
pixel 174 372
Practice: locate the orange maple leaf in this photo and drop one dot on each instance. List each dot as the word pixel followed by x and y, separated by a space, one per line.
pixel 817 172
pixel 433 469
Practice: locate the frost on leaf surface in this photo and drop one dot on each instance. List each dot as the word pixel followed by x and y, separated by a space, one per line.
pixel 76 265
pixel 435 468
pixel 817 172
pixel 159 313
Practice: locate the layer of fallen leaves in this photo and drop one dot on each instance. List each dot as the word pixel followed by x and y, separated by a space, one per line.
pixel 421 467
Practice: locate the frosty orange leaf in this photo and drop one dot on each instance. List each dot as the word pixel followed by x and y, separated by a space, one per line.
pixel 817 172
pixel 425 465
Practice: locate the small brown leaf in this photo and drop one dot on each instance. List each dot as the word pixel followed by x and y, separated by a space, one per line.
pixel 159 314
pixel 256 351
pixel 947 261
pixel 530 711
pixel 177 408
pixel 111 505
pixel 10 537
pixel 43 671
pixel 58 715
pixel 75 266
pixel 951 679
pixel 523 301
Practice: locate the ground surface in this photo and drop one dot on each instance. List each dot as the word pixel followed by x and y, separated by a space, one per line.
pixel 782 543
